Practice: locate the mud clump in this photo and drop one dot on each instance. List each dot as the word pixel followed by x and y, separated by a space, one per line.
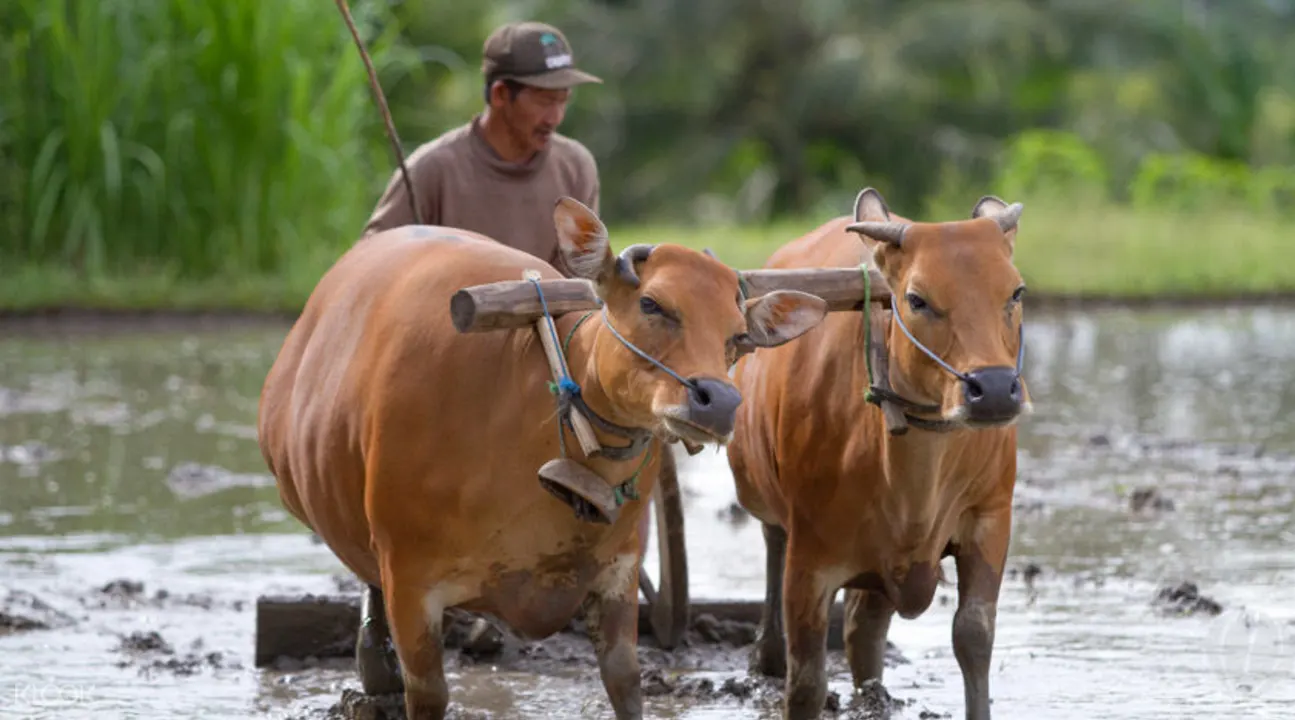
pixel 1029 572
pixel 152 653
pixel 1151 499
pixel 873 701
pixel 142 642
pixel 764 691
pixel 727 632
pixel 21 611
pixel 193 480
pixel 355 705
pixel 127 594
pixel 734 514
pixel 1185 599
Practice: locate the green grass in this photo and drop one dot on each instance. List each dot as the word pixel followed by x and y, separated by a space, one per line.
pixel 210 135
pixel 1102 251
pixel 1082 250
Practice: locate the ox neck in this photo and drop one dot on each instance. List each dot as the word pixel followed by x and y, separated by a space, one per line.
pixel 621 441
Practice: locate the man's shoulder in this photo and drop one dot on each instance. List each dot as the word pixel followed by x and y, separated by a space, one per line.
pixel 450 143
pixel 571 150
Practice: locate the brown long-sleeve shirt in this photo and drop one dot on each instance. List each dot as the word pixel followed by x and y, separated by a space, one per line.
pixel 461 182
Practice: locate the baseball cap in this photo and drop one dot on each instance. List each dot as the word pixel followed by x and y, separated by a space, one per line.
pixel 532 53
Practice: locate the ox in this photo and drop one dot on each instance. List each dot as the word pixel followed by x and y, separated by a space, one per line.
pixel 844 503
pixel 412 450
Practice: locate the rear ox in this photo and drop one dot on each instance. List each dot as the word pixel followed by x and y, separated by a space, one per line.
pixel 847 504
pixel 413 450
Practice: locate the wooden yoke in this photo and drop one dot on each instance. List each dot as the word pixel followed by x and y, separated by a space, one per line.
pixel 514 304
pixel 558 365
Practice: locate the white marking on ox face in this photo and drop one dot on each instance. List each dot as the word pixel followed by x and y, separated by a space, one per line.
pixel 674 418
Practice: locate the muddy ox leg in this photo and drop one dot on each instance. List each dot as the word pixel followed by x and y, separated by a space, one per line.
pixel 416 622
pixel 770 654
pixel 375 657
pixel 806 600
pixel 611 619
pixel 980 574
pixel 867 620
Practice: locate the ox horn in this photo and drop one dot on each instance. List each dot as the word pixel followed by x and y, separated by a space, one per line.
pixel 888 232
pixel 1008 218
pixel 627 263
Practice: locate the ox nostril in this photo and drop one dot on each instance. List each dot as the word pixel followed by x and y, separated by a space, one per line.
pixel 993 394
pixel 712 404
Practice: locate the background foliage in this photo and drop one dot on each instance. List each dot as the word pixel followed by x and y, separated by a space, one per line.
pixel 209 138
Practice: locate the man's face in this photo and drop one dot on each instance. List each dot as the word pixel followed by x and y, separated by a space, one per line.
pixel 533 116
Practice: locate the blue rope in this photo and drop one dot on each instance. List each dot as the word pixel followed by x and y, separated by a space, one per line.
pixel 565 388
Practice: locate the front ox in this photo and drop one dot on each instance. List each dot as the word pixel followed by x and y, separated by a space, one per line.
pixel 846 504
pixel 412 450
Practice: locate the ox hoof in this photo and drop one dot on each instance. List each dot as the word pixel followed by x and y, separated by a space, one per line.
pixel 692 449
pixel 582 489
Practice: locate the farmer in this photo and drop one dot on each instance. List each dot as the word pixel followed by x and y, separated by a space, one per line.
pixel 501 173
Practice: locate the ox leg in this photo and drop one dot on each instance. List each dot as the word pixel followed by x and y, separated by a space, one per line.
pixel 806 601
pixel 770 654
pixel 375 656
pixel 611 619
pixel 416 623
pixel 980 574
pixel 867 621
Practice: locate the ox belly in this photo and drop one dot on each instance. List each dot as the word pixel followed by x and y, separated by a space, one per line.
pixel 539 594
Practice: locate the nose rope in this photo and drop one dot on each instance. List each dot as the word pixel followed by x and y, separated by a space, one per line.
pixel 1020 348
pixel 607 321
pixel 899 318
pixel 877 394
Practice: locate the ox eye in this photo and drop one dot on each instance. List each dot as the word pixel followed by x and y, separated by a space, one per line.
pixel 916 302
pixel 1019 294
pixel 650 306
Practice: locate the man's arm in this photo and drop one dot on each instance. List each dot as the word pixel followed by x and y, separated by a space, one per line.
pixel 393 207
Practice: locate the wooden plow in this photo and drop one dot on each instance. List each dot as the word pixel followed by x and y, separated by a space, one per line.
pixel 325 625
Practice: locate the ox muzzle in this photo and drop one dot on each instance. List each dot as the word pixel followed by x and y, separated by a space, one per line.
pixel 992 395
pixel 712 404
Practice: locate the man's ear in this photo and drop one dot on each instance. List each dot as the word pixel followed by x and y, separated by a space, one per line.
pixel 780 317
pixel 582 241
pixel 1007 216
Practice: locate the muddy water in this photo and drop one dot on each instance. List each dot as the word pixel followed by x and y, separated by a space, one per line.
pixel 131 456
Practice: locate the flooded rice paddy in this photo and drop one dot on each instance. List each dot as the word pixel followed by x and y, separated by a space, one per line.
pixel 138 526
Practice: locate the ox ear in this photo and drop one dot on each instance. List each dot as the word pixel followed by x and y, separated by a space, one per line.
pixel 781 316
pixel 582 240
pixel 1007 216
pixel 870 205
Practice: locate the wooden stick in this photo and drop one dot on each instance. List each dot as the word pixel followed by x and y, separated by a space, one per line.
pixel 325 626
pixel 896 423
pixel 514 304
pixel 557 364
